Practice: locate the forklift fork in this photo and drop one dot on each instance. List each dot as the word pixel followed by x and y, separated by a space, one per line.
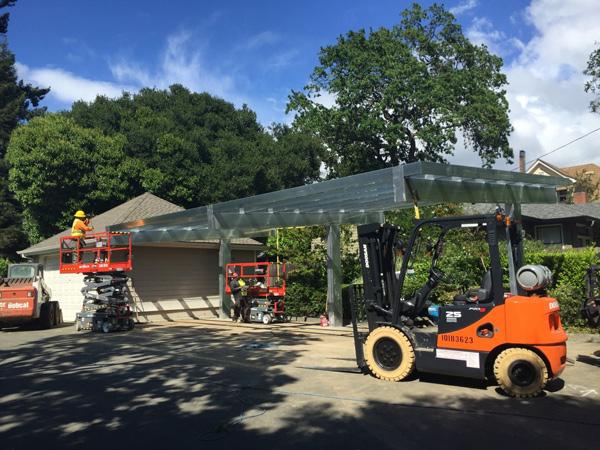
pixel 358 343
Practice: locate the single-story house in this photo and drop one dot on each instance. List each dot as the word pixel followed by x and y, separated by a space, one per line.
pixel 168 281
pixel 558 224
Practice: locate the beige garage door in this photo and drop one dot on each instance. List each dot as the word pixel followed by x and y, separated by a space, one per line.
pixel 174 283
pixel 65 288
pixel 177 283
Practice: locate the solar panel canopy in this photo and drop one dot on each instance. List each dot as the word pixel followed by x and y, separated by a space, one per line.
pixel 355 199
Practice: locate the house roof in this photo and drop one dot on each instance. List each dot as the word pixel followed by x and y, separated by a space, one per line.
pixel 591 169
pixel 544 211
pixel 140 207
pixel 548 169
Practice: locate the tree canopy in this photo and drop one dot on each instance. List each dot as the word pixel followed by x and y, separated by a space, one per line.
pixel 403 94
pixel 193 148
pixel 593 85
pixel 189 148
pixel 18 102
pixel 58 167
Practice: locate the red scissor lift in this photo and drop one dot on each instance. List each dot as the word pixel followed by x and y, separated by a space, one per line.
pixel 265 287
pixel 103 259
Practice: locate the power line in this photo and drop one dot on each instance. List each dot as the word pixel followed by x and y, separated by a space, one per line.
pixel 561 147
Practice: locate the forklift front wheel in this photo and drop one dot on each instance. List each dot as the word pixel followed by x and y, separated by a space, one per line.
pixel 266 319
pixel 389 354
pixel 520 372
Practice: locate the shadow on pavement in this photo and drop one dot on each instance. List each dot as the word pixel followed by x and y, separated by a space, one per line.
pixel 591 360
pixel 30 326
pixel 134 389
pixel 182 388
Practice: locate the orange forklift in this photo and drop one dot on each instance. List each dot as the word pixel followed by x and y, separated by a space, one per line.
pixel 515 338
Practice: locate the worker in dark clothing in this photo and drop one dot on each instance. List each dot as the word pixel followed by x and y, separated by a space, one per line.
pixel 240 302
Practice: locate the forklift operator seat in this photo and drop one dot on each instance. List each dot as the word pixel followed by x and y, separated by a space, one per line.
pixel 481 295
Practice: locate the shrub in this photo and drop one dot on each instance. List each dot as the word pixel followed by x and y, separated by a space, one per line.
pixel 4 267
pixel 464 261
pixel 568 271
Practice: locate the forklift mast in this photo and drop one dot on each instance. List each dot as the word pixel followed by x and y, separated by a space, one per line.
pixel 385 299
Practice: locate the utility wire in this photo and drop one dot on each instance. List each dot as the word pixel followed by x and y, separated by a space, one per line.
pixel 560 147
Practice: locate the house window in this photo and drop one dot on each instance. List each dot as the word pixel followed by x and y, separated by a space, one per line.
pixel 584 235
pixel 562 195
pixel 549 234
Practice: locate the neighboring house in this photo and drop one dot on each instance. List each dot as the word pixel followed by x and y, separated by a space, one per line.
pixel 168 280
pixel 592 170
pixel 541 167
pixel 557 224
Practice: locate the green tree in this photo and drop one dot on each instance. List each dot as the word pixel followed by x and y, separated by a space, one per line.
pixel 306 291
pixel 58 167
pixel 306 249
pixel 584 182
pixel 189 148
pixel 593 85
pixel 403 94
pixel 193 149
pixel 18 102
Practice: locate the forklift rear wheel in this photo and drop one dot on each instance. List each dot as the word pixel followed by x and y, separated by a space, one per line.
pixel 106 326
pixel 520 372
pixel 389 354
pixel 266 319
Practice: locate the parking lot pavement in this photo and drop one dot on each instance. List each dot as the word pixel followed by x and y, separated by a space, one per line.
pixel 210 384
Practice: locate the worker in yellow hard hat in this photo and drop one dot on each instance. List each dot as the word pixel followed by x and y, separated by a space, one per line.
pixel 81 225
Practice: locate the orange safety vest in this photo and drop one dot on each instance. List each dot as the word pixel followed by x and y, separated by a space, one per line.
pixel 79 228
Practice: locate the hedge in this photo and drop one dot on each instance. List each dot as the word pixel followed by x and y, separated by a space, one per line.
pixel 568 271
pixel 4 267
pixel 464 260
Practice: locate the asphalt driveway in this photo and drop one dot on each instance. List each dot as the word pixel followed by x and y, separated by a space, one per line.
pixel 211 384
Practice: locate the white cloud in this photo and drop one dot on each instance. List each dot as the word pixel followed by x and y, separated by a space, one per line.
pixel 463 7
pixel 482 32
pixel 68 87
pixel 548 104
pixel 182 61
pixel 326 98
pixel 281 60
pixel 179 63
pixel 78 50
pixel 260 40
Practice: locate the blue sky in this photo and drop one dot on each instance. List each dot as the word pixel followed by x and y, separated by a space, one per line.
pixel 256 52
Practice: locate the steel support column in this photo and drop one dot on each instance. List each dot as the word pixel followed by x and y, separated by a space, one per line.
pixel 334 276
pixel 224 259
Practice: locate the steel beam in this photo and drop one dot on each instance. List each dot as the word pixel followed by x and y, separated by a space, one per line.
pixel 334 276
pixel 224 259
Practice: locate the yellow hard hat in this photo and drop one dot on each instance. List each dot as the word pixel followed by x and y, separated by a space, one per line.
pixel 80 214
